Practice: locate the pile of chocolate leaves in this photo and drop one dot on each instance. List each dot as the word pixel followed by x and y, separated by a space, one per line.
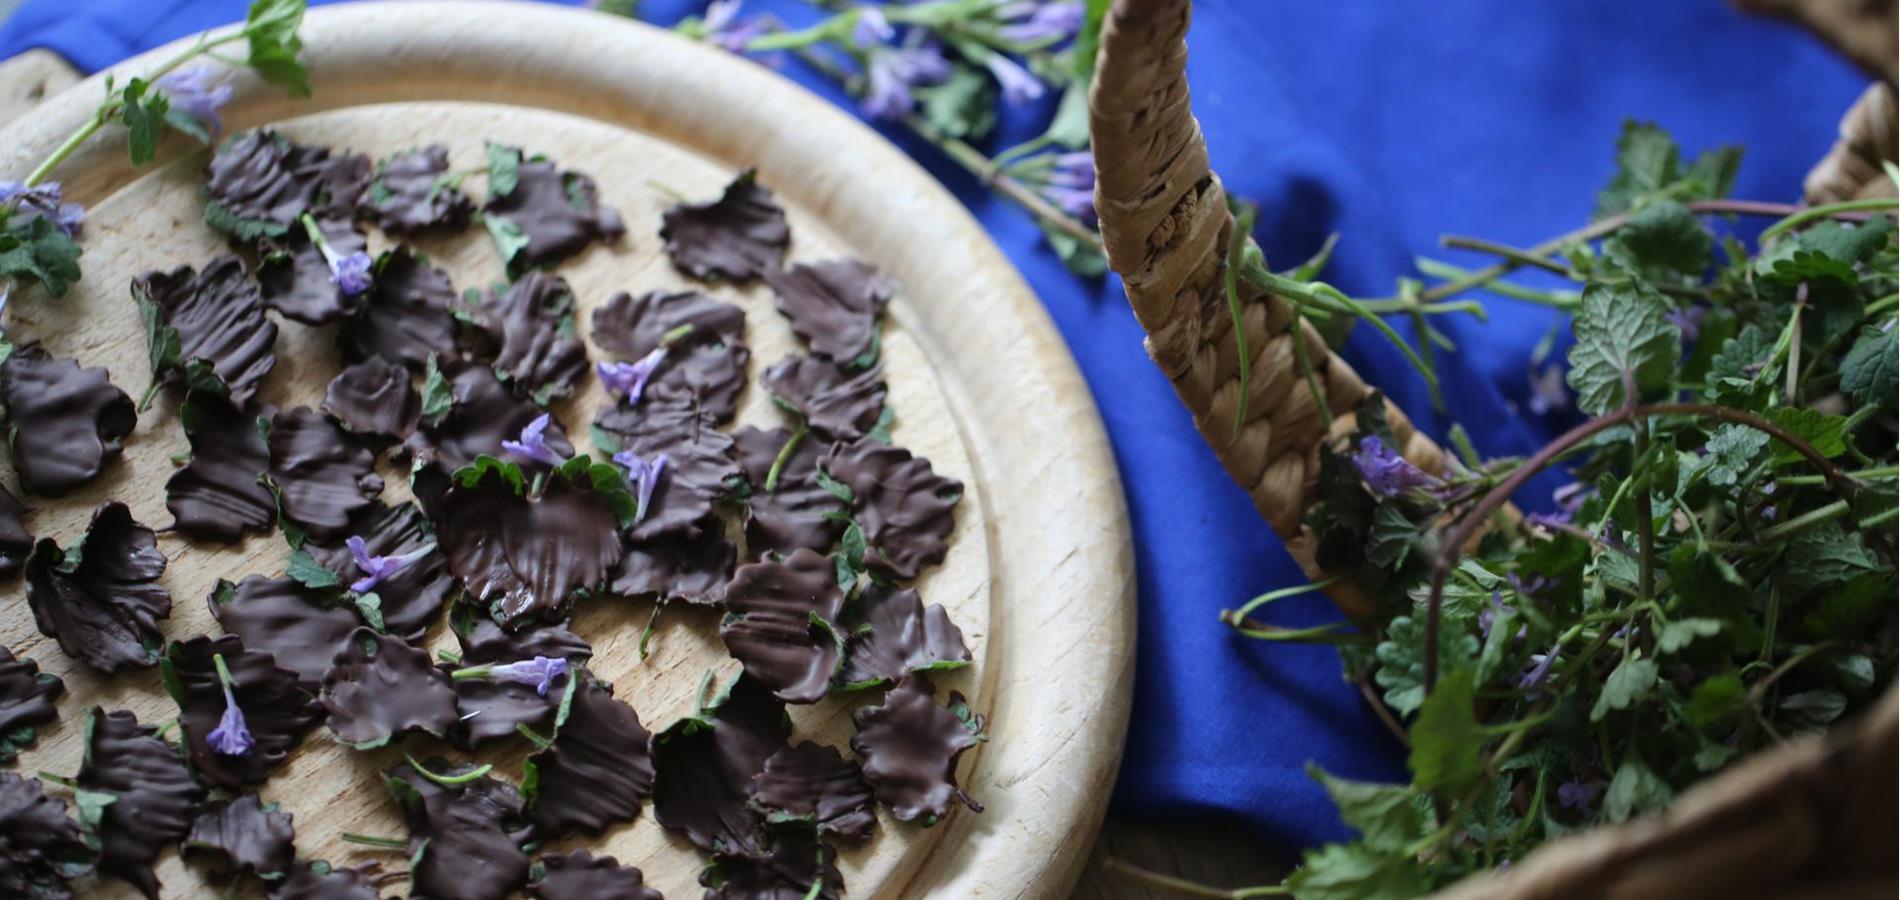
pixel 799 540
pixel 1718 578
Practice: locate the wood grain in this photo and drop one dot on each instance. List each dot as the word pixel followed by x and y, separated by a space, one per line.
pixel 1040 573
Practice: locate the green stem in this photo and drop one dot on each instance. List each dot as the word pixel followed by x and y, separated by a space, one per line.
pixel 471 672
pixel 365 840
pixel 973 160
pixel 1241 231
pixel 1305 361
pixel 1568 301
pixel 1802 522
pixel 1235 615
pixel 539 742
pixel 1812 213
pixel 1760 688
pixel 448 780
pixel 1189 888
pixel 1882 305
pixel 1882 473
pixel 784 456
pixel 60 780
pixel 1645 514
pixel 1521 257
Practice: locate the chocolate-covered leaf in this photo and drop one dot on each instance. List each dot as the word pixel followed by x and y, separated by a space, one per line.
pixel 236 732
pixel 599 770
pixel 318 880
pixel 795 511
pixel 738 237
pixel 481 414
pixel 26 703
pixel 415 191
pixel 835 306
pixel 101 599
pixel 783 625
pixel 41 848
pixel 691 566
pixel 526 330
pixel 465 837
pixel 484 641
pixel 490 710
pixel 546 214
pixel 323 475
pixel 905 508
pixel 216 495
pixel 296 279
pixel 244 836
pixel 412 595
pixel 899 635
pixel 835 403
pixel 795 865
pixel 64 422
pixel 380 688
pixel 375 400
pixel 301 627
pixel 260 183
pixel 815 784
pixel 580 875
pixel 207 330
pixel 705 351
pixel 152 796
pixel 910 747
pixel 526 555
pixel 405 318
pixel 15 541
pixel 698 471
pixel 705 767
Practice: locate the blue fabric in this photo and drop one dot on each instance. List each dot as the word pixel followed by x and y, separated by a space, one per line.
pixel 1392 123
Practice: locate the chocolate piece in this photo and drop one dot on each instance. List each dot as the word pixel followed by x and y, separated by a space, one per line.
pixel 793 864
pixel 527 331
pixel 466 838
pixel 260 183
pixel 814 783
pixel 216 496
pixel 482 414
pixel 276 711
pixel 245 836
pixel 413 596
pixel 15 541
pixel 699 468
pixel 41 848
pixel 738 237
pixel 599 770
pixel 705 767
pixel 405 318
pixel 483 641
pixel 380 688
pixel 582 876
pixel 323 477
pixel 154 796
pixel 414 191
pixel 295 279
pixel 797 512
pixel 207 329
pixel 318 880
pixel 836 404
pixel 835 306
pixel 524 555
pixel 783 625
pixel 705 365
pixel 26 702
pixel 905 508
pixel 692 566
pixel 374 399
pixel 910 747
pixel 303 629
pixel 546 214
pixel 489 710
pixel 900 636
pixel 65 422
pixel 103 602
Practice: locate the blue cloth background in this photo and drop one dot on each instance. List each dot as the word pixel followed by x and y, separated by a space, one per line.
pixel 1392 123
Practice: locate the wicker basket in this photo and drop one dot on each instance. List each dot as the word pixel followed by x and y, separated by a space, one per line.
pixel 1813 818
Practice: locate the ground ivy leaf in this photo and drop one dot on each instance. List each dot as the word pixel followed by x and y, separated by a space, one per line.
pixel 1635 789
pixel 1824 555
pixel 37 249
pixel 1662 238
pixel 1870 373
pixel 1714 698
pixel 1358 872
pixel 1446 736
pixel 1402 664
pixel 1630 682
pixel 1385 815
pixel 272 27
pixel 1731 449
pixel 1646 161
pixel 1682 632
pixel 1822 431
pixel 1621 329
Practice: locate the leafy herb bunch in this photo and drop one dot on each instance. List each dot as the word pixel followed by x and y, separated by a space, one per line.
pixel 1718 578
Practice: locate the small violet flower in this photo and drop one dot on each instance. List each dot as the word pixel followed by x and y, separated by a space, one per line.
pixel 1019 87
pixel 1385 472
pixel 1688 322
pixel 631 378
pixel 644 475
pixel 893 72
pixel 192 91
pixel 725 29
pixel 1577 795
pixel 1548 392
pixel 1071 184
pixel 871 28
pixel 351 274
pixel 43 200
pixel 534 443
pixel 1036 23
pixel 232 737
pixel 377 568
pixel 1569 499
pixel 1539 671
pixel 539 672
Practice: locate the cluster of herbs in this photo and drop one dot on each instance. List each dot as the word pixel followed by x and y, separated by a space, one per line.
pixel 1717 579
pixel 939 69
pixel 508 529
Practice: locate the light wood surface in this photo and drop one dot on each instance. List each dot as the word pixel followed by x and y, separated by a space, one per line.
pixel 1040 574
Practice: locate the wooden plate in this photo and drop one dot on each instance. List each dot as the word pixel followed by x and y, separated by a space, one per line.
pixel 1040 574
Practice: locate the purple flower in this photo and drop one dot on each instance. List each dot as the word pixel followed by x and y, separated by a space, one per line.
pixel 1577 795
pixel 6 290
pixel 1036 23
pixel 534 443
pixel 726 29
pixel 539 671
pixel 1569 499
pixel 893 72
pixel 631 378
pixel 192 91
pixel 1019 86
pixel 43 201
pixel 1539 671
pixel 871 28
pixel 1548 392
pixel 377 568
pixel 644 475
pixel 1688 322
pixel 1071 184
pixel 232 737
pixel 1529 587
pixel 351 274
pixel 1385 472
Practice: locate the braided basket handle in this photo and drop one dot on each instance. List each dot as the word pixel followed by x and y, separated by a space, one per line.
pixel 1166 225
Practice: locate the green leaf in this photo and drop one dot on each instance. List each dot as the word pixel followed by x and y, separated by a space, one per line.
pixel 880 432
pixel 510 239
pixel 144 118
pixel 1682 632
pixel 484 465
pixel 92 809
pixel 271 28
pixel 437 396
pixel 1870 373
pixel 1739 375
pixel 1070 126
pixel 1628 684
pixel 183 121
pixel 1084 258
pixel 1732 449
pixel 1446 736
pixel 1856 672
pixel 1712 175
pixel 1621 329
pixel 35 249
pixel 305 570
pixel 1714 699
pixel 1385 815
pixel 1635 789
pixel 606 481
pixel 1663 237
pixel 239 227
pixel 1646 162
pixel 963 106
pixel 1819 429
pixel 504 169
pixel 1814 709
pixel 835 487
pixel 1358 872
pixel 853 545
pixel 1848 244
pixel 1402 661
pixel 1847 610
pixel 1823 555
pixel 370 607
